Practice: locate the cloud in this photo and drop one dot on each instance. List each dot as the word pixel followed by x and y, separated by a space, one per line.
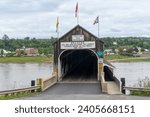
pixel 25 6
pixel 115 30
pixel 37 18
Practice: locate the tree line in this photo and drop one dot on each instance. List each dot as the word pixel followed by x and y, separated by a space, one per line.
pixel 143 42
pixel 46 45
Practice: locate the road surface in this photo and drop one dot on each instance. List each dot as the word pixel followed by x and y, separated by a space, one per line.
pixel 79 91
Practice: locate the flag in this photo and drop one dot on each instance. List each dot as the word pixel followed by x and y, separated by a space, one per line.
pixel 76 11
pixel 96 20
pixel 57 23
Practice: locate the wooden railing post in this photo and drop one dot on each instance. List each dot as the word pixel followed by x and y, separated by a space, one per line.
pixel 40 83
pixel 32 84
pixel 123 85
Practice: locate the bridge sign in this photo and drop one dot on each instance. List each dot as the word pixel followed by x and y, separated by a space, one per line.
pixel 78 45
pixel 77 37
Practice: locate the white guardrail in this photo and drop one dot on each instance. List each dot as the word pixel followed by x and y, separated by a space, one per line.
pixel 137 88
pixel 42 85
pixel 7 92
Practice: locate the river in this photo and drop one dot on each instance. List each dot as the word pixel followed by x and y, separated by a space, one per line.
pixel 20 75
pixel 132 71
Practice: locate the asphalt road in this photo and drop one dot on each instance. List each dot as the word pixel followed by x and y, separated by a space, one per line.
pixel 79 91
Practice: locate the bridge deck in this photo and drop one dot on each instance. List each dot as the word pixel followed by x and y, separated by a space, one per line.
pixel 80 79
pixel 60 91
pixel 78 91
pixel 73 88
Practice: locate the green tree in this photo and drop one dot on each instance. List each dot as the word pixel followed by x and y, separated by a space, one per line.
pixel 2 52
pixel 5 37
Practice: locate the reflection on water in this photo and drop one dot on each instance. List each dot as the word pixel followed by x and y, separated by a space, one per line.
pixel 132 71
pixel 20 75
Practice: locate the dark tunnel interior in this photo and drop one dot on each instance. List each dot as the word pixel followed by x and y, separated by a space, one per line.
pixel 108 74
pixel 79 65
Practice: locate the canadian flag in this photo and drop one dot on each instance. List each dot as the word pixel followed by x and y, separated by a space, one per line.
pixel 76 11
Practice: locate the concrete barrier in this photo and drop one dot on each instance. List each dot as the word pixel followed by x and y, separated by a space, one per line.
pixel 110 87
pixel 45 84
pixel 104 87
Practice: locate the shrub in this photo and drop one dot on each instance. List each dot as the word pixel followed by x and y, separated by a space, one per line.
pixel 142 83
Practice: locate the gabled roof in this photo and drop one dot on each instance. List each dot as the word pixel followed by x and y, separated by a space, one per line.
pixel 82 29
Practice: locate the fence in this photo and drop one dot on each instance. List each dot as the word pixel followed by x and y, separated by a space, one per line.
pixel 15 91
pixel 137 88
pixel 42 85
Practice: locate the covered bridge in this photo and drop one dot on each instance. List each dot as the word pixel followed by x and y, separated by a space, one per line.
pixel 78 57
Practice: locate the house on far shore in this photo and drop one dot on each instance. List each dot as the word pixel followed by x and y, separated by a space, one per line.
pixel 4 52
pixel 108 51
pixel 146 53
pixel 27 51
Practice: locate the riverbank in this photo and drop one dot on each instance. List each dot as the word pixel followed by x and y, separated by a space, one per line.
pixel 45 59
pixel 34 59
pixel 121 58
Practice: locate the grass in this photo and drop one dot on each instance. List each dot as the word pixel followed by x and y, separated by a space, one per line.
pixel 114 56
pixel 140 93
pixel 45 59
pixel 36 59
pixel 122 58
pixel 138 59
pixel 18 95
pixel 142 83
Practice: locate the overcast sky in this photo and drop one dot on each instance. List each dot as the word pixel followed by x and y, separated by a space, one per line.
pixel 37 18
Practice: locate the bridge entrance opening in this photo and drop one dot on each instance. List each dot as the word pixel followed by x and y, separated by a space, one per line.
pixel 78 66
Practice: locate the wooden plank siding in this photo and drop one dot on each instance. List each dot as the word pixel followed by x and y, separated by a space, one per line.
pixel 77 30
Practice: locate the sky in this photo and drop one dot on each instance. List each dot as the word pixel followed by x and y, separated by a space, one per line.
pixel 37 18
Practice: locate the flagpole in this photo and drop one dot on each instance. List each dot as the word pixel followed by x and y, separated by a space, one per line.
pixel 98 26
pixel 57 27
pixel 78 18
pixel 58 33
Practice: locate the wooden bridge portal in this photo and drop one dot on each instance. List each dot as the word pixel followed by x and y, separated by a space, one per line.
pixel 79 57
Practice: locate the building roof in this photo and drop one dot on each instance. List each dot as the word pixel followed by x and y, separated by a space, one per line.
pixel 77 26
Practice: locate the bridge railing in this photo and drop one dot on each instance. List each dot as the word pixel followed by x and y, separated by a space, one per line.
pixel 15 91
pixel 45 84
pixel 137 88
pixel 42 85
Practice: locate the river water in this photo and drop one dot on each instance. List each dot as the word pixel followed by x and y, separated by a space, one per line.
pixel 20 75
pixel 132 71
